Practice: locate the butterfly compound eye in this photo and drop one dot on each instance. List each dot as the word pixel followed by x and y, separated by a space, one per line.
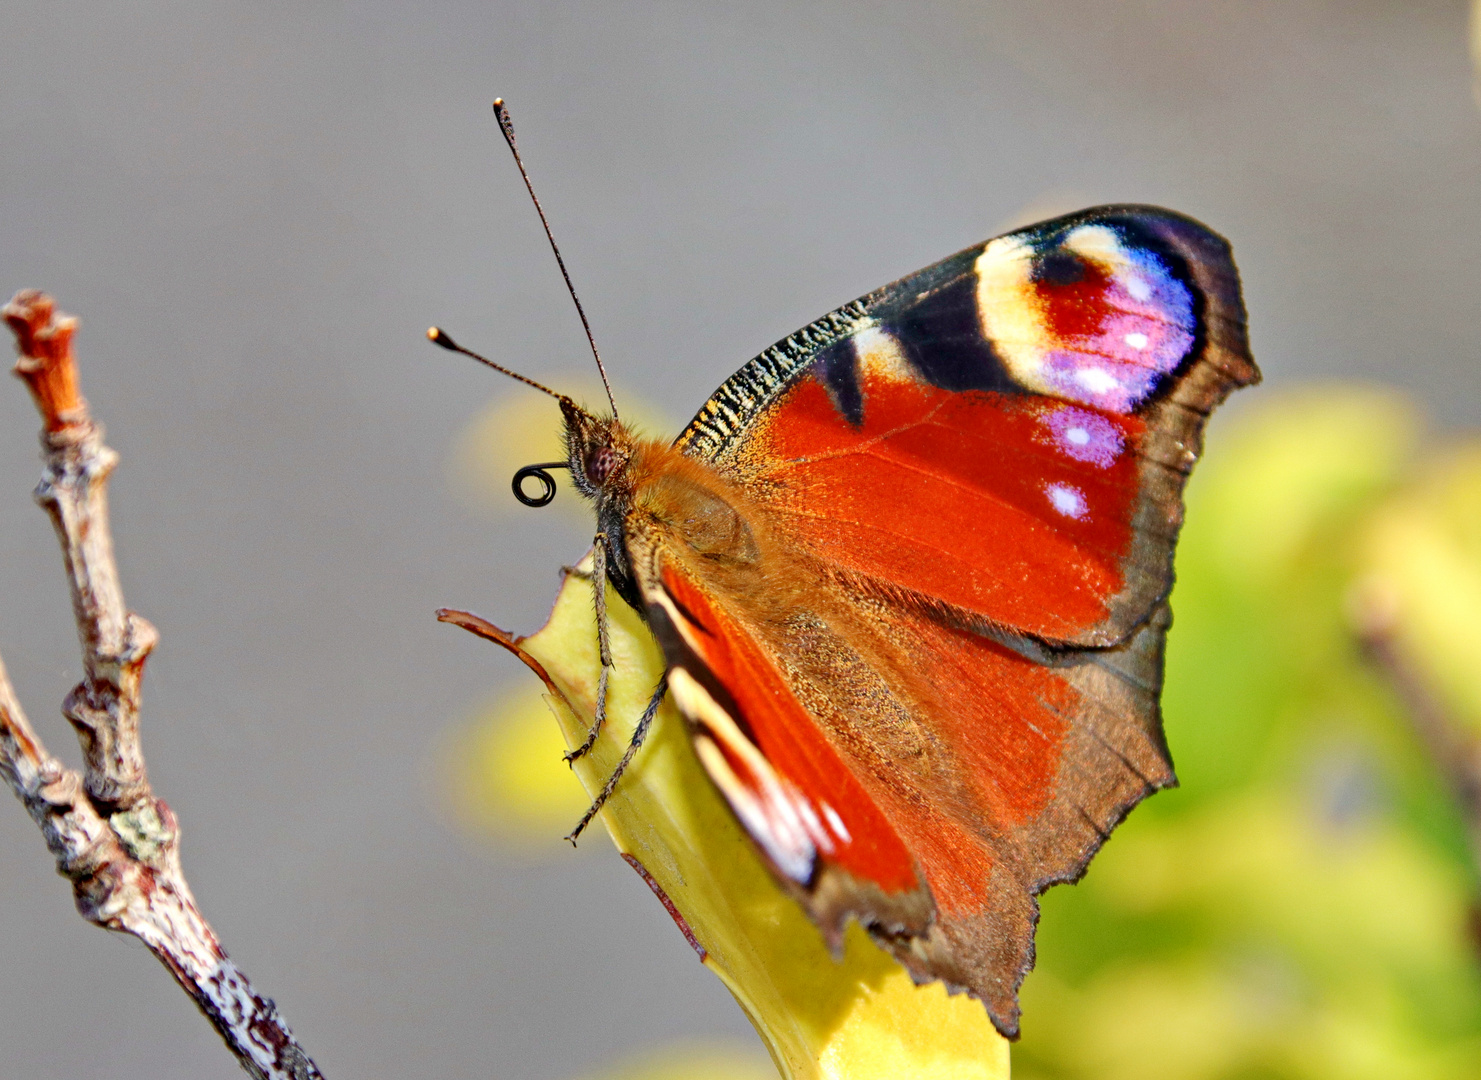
pixel 601 465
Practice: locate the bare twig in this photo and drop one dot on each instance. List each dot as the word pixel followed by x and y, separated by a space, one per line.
pixel 113 838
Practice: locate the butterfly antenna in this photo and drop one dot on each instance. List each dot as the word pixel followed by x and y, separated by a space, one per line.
pixel 507 127
pixel 438 337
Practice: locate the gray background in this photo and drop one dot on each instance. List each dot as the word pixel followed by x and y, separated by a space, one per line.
pixel 256 209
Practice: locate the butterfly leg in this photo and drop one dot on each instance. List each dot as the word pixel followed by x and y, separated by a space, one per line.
pixel 639 734
pixel 604 643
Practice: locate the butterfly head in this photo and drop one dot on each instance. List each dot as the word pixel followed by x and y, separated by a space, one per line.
pixel 599 450
pixel 600 456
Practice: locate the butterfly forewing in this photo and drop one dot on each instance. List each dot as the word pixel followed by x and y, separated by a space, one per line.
pixel 1006 432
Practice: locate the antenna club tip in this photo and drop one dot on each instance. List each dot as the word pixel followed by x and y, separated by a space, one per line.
pixel 498 103
pixel 437 337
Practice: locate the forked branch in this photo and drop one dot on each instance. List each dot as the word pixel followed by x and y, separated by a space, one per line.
pixel 113 838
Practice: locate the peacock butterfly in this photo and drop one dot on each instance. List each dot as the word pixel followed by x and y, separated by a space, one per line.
pixel 909 569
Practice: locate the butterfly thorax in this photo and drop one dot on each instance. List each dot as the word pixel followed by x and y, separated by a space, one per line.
pixel 647 484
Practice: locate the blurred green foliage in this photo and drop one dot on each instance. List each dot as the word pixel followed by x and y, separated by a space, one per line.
pixel 1301 907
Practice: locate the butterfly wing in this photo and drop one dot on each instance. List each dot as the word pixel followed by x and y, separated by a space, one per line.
pixel 947 637
pixel 1005 434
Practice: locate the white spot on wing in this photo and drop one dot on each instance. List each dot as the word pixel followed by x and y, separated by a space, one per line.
pixel 1084 436
pixel 1137 287
pixel 1096 380
pixel 812 823
pixel 1067 500
pixel 835 823
pixel 1136 341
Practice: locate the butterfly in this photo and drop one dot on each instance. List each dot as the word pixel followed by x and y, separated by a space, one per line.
pixel 909 569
